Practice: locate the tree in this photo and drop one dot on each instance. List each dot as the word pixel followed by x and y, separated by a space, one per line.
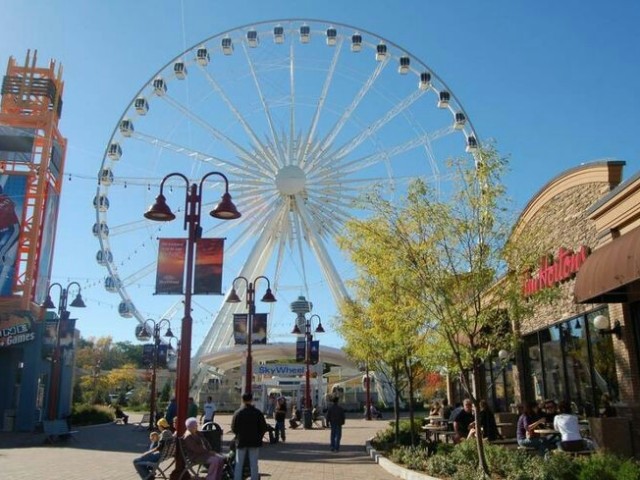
pixel 447 252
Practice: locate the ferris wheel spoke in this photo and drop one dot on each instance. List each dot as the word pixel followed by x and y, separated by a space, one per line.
pixel 377 125
pixel 316 243
pixel 333 133
pixel 265 105
pixel 188 152
pixel 238 115
pixel 241 152
pixel 125 228
pixel 320 105
pixel 330 218
pixel 142 273
pixel 292 103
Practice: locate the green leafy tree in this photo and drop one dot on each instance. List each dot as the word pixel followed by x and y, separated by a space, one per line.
pixel 446 257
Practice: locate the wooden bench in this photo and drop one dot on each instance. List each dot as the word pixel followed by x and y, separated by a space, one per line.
pixel 57 430
pixel 146 418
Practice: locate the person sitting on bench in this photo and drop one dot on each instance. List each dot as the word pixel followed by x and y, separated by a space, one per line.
pixel 143 464
pixel 120 414
pixel 294 421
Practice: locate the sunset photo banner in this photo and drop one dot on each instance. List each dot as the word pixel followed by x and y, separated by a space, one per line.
pixel 208 271
pixel 170 275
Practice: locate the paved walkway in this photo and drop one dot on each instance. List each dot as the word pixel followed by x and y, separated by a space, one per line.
pixel 106 452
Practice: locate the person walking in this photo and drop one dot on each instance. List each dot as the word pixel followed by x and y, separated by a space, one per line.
pixel 335 420
pixel 209 409
pixel 280 415
pixel 249 426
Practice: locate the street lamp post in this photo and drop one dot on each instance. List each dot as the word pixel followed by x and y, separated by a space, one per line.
pixel 251 305
pixel 63 314
pixel 160 212
pixel 368 390
pixel 307 419
pixel 145 335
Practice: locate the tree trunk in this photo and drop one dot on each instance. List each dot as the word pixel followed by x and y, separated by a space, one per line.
pixel 396 401
pixel 482 459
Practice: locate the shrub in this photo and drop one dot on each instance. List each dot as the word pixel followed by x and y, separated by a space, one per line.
pixel 85 414
pixel 386 438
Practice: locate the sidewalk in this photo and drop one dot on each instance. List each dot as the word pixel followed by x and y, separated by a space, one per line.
pixel 106 452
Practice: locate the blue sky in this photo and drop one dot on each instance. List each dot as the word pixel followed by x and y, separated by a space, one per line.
pixel 553 83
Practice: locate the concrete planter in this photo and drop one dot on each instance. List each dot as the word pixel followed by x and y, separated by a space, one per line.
pixel 394 469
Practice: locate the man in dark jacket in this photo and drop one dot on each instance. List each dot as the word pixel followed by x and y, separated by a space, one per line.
pixel 249 426
pixel 335 419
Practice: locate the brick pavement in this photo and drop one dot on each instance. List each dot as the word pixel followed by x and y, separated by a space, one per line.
pixel 106 452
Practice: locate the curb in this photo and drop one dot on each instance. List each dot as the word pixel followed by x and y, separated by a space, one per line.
pixel 393 469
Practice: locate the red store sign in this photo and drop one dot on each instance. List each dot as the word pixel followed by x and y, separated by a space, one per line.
pixel 551 273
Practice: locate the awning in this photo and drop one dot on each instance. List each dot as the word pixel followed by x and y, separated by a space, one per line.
pixel 607 272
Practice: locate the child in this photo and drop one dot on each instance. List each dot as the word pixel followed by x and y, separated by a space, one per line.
pixel 154 438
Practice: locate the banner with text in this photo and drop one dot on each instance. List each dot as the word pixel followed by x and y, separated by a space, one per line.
pixel 208 271
pixel 314 351
pixel 170 275
pixel 258 332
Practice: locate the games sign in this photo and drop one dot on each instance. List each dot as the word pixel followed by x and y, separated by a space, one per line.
pixel 15 328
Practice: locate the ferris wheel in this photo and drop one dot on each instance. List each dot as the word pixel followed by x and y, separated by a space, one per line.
pixel 303 116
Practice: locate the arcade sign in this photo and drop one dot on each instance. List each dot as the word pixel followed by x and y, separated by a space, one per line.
pixel 15 328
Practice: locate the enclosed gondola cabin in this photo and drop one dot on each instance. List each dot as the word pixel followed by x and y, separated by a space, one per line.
pixel 425 81
pixel 114 152
pixel 305 34
pixel 356 42
pixel 180 70
pixel 202 56
pixel 278 34
pixel 112 284
pixel 381 52
pixel 141 105
pixel 159 86
pixel 460 121
pixel 227 46
pixel 252 38
pixel 125 309
pixel 405 63
pixel 332 36
pixel 103 257
pixel 443 99
pixel 126 127
pixel 106 177
pixel 101 203
pixel 100 230
pixel 472 144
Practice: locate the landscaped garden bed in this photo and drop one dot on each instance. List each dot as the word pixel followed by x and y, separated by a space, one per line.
pixel 460 462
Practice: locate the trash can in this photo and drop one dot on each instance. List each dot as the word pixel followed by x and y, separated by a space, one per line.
pixel 213 433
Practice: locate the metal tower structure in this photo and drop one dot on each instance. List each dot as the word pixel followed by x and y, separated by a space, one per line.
pixel 32 156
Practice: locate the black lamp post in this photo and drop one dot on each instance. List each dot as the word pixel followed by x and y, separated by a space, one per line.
pixel 145 335
pixel 160 212
pixel 63 314
pixel 307 419
pixel 251 305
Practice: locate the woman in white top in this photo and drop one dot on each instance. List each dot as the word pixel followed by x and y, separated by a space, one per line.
pixel 567 425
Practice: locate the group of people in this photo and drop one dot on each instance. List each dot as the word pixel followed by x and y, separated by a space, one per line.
pixel 249 426
pixel 558 416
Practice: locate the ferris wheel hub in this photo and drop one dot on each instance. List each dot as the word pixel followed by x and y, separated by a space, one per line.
pixel 290 180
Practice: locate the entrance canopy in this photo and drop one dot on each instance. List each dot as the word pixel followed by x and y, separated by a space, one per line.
pixel 605 275
pixel 235 356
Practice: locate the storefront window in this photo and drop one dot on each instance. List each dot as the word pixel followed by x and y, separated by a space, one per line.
pixel 499 381
pixel 604 363
pixel 571 361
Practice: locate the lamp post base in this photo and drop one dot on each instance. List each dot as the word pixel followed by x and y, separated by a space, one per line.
pixel 307 420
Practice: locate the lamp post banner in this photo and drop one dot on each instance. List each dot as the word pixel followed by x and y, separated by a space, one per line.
pixel 208 268
pixel 258 332
pixel 301 345
pixel 314 354
pixel 170 274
